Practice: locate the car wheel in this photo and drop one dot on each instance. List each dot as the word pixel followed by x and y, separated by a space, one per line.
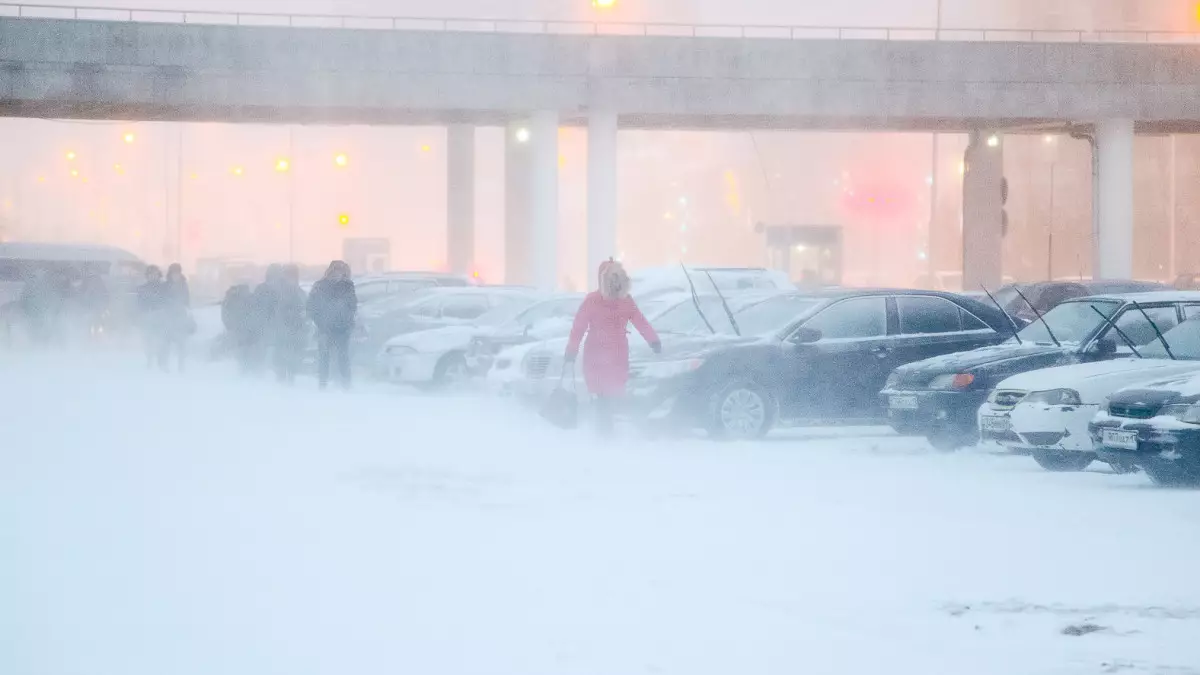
pixel 742 410
pixel 450 370
pixel 1052 460
pixel 1165 476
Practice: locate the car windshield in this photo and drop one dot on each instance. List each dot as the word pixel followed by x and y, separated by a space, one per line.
pixel 683 318
pixel 1183 339
pixel 1071 322
pixel 509 309
pixel 773 314
pixel 1008 298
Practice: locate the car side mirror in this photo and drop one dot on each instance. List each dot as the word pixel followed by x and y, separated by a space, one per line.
pixel 806 336
pixel 1105 347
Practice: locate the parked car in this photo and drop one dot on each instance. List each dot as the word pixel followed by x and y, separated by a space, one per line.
pixel 939 398
pixel 1045 295
pixel 651 282
pixel 545 320
pixel 532 370
pixel 1155 427
pixel 439 356
pixel 812 358
pixel 1054 406
pixel 384 319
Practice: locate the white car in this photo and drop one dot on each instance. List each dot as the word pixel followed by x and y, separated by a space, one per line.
pixel 1046 412
pixel 438 356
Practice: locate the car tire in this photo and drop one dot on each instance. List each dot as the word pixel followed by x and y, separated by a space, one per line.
pixel 451 369
pixel 1059 461
pixel 1171 477
pixel 741 410
pixel 951 440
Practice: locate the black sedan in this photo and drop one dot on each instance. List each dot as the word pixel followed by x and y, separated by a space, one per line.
pixel 805 358
pixel 938 398
pixel 1154 427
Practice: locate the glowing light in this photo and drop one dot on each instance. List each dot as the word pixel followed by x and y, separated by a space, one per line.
pixel 71 156
pixel 342 160
pixel 921 255
pixel 194 176
pixel 129 137
pixel 962 168
pixel 237 171
pixel 683 201
pixel 800 248
pixel 993 141
pixel 118 168
pixel 475 275
pixel 604 4
pixel 1048 138
pixel 344 220
pixel 668 216
pixel 425 147
pixel 74 173
pixel 41 179
pixel 282 166
pixel 929 180
pixel 522 135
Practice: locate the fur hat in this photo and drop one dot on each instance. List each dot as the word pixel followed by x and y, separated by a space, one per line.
pixel 613 281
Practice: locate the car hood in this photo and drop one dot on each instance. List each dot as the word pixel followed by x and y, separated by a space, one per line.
pixel 437 339
pixel 676 347
pixel 1096 380
pixel 1179 389
pixel 986 356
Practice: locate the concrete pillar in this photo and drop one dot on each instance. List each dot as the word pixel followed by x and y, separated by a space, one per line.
pixel 460 198
pixel 982 236
pixel 517 204
pixel 1114 185
pixel 602 191
pixel 543 235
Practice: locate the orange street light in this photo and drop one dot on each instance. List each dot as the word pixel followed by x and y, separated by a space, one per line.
pixel 129 137
pixel 341 160
pixel 604 4
pixel 237 171
pixel 344 220
pixel 283 165
pixel 71 155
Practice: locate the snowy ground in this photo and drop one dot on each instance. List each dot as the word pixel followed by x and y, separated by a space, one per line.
pixel 167 525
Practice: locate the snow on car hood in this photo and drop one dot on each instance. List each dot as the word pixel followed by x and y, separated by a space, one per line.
pixel 961 361
pixel 1096 380
pixel 437 339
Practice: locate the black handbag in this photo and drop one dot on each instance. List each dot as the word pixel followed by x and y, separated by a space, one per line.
pixel 561 408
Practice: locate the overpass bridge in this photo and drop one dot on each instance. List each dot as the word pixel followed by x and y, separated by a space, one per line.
pixel 139 67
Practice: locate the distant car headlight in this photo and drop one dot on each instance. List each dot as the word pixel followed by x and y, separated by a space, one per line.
pixel 661 370
pixel 1188 413
pixel 399 350
pixel 1054 397
pixel 952 381
pixel 892 381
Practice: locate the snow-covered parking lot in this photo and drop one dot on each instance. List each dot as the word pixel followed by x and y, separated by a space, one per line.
pixel 196 525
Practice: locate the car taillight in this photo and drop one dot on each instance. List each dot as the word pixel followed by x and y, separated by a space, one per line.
pixel 962 380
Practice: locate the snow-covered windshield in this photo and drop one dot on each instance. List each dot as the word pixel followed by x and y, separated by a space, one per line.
pixel 1183 339
pixel 504 313
pixel 773 314
pixel 683 318
pixel 558 308
pixel 1071 322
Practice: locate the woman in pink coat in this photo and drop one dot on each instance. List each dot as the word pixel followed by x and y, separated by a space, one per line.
pixel 604 317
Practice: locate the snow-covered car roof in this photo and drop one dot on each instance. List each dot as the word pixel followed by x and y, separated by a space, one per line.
pixel 18 250
pixel 1148 297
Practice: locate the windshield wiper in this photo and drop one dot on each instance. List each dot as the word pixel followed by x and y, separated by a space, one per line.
pixel 1157 332
pixel 1119 331
pixel 728 312
pixel 696 299
pixel 1039 316
pixel 1016 331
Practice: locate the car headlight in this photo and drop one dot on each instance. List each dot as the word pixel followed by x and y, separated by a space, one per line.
pixel 399 350
pixel 892 381
pixel 952 381
pixel 661 370
pixel 1188 413
pixel 1054 397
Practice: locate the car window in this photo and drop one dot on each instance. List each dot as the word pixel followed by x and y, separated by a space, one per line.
pixel 551 309
pixel 924 314
pixel 683 318
pixel 970 321
pixel 1139 331
pixel 1183 339
pixel 853 318
pixel 1191 312
pixel 465 306
pixel 1071 322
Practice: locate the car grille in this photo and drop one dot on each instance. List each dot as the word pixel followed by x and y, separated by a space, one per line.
pixel 536 366
pixel 1139 411
pixel 1007 399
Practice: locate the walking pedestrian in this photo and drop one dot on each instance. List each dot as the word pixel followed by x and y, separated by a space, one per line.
pixel 151 302
pixel 178 324
pixel 604 318
pixel 290 329
pixel 261 319
pixel 332 306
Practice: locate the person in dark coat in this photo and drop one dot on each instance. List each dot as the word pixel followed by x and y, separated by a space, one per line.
pixel 178 324
pixel 236 309
pixel 36 303
pixel 94 302
pixel 332 306
pixel 151 303
pixel 261 317
pixel 604 317
pixel 290 325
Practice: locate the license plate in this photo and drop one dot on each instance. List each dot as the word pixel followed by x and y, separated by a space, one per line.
pixel 995 423
pixel 1125 440
pixel 902 402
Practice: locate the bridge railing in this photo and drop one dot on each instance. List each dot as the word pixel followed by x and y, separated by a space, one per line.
pixel 365 22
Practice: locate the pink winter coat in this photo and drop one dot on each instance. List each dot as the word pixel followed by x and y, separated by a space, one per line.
pixel 606 351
